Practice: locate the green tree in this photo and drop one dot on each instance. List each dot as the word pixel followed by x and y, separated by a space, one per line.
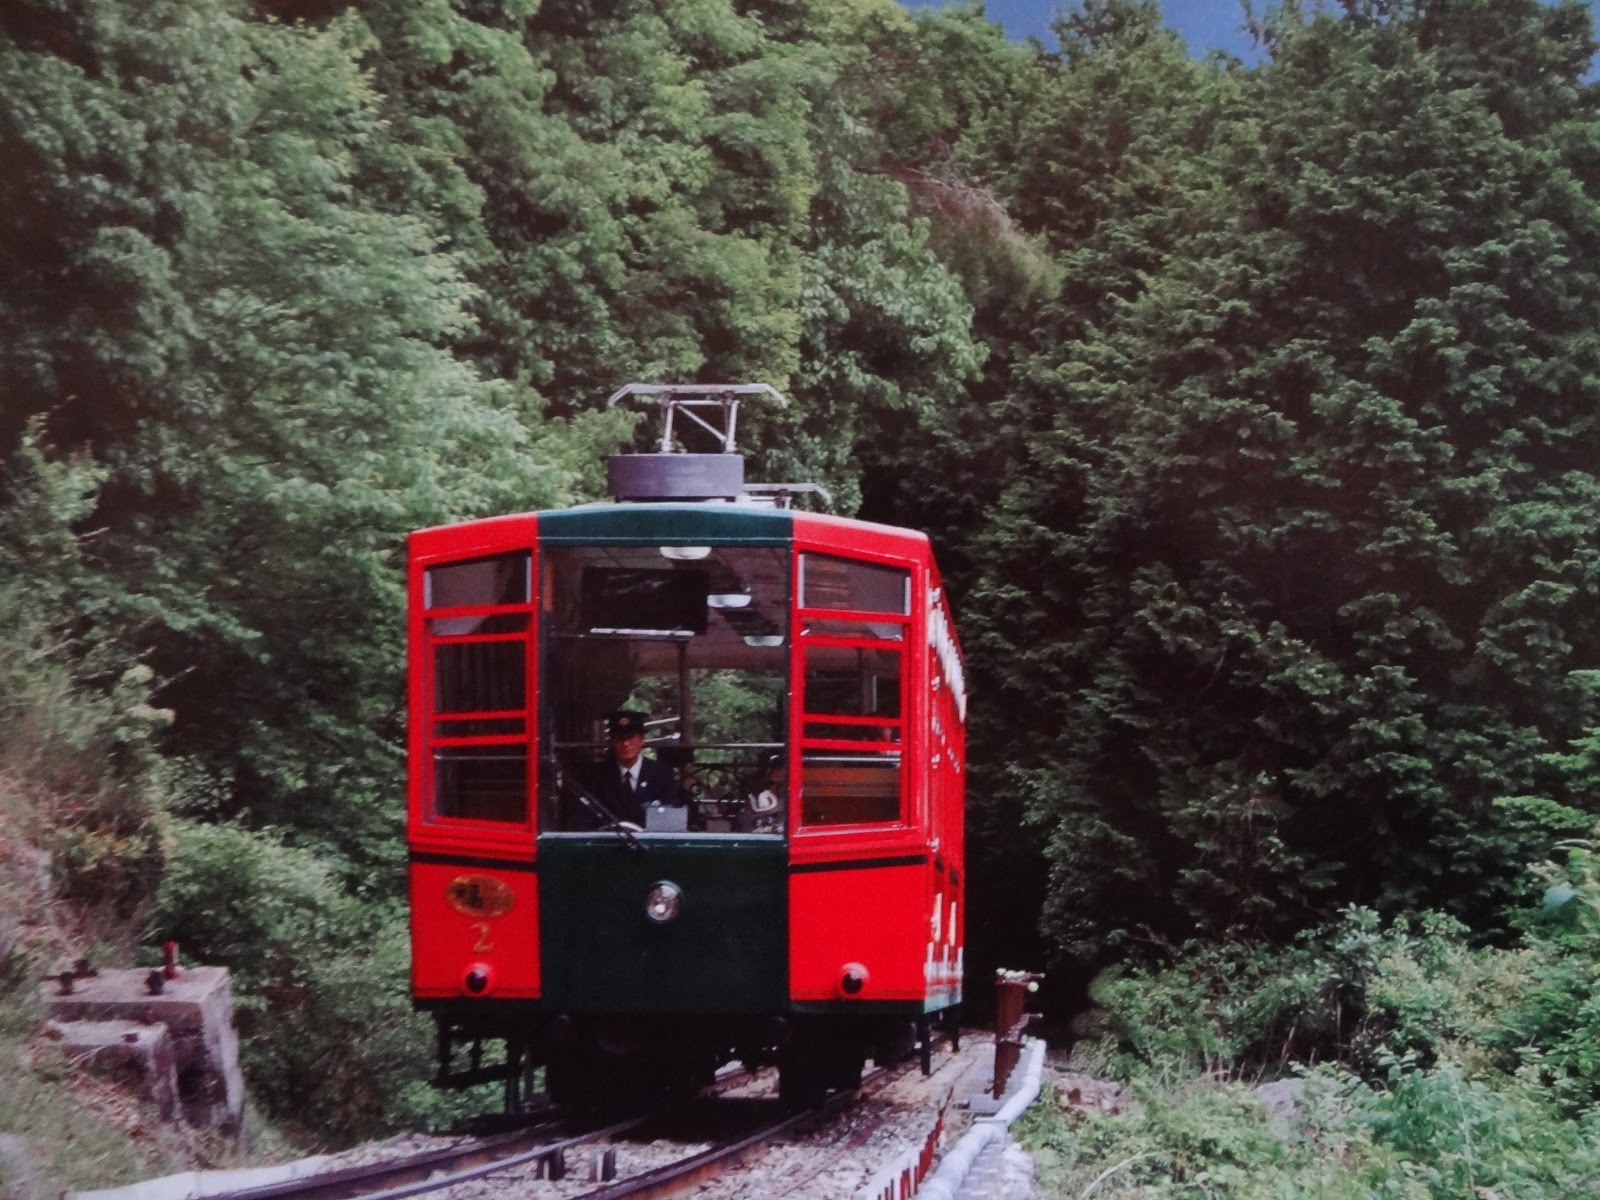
pixel 207 295
pixel 643 171
pixel 1300 560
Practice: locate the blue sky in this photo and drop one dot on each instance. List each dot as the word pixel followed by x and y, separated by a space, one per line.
pixel 1204 24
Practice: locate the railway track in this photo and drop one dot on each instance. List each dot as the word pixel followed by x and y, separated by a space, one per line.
pixel 545 1155
pixel 537 1147
pixel 738 1140
pixel 671 1179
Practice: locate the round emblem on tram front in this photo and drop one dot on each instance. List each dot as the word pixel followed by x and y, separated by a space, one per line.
pixel 480 896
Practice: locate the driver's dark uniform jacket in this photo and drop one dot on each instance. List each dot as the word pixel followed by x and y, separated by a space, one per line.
pixel 657 784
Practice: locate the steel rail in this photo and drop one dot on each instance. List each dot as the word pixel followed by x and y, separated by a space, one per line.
pixel 430 1170
pixel 674 1178
pixel 548 1152
pixel 426 1171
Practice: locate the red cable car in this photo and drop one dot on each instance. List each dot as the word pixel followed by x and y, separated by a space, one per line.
pixel 791 889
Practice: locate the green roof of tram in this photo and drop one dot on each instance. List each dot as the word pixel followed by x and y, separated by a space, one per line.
pixel 666 524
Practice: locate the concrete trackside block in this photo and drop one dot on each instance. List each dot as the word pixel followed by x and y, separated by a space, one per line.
pixel 197 1010
pixel 139 1056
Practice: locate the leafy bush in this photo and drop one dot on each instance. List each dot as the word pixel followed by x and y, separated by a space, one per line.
pixel 1415 1135
pixel 1197 1138
pixel 1440 1133
pixel 328 1038
pixel 1220 1005
pixel 246 899
pixel 1553 1024
pixel 1456 1071
pixel 1358 992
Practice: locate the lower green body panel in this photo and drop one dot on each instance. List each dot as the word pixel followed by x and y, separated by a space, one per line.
pixel 725 952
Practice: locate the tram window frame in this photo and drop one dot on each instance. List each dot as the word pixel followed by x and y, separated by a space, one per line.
pixel 879 715
pixel 455 580
pixel 861 606
pixel 837 791
pixel 835 583
pixel 476 747
pixel 495 790
pixel 478 675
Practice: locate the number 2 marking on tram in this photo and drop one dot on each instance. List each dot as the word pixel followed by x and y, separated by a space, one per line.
pixel 483 944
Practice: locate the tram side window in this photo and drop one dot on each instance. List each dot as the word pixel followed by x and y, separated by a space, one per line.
pixel 853 693
pixel 477 657
pixel 487 783
pixel 847 585
pixel 502 579
pixel 841 790
pixel 852 689
pixel 478 676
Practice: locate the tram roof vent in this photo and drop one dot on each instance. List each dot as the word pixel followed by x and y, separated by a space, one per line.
pixel 703 415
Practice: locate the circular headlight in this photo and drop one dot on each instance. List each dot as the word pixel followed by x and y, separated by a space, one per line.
pixel 663 902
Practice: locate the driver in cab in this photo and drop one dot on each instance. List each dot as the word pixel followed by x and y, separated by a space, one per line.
pixel 625 781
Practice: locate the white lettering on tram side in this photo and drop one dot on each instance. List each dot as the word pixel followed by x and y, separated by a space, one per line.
pixel 943 643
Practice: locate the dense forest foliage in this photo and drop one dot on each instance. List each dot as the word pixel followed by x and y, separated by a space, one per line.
pixel 1252 409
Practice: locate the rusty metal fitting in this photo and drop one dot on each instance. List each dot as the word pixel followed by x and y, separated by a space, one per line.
pixel 1011 989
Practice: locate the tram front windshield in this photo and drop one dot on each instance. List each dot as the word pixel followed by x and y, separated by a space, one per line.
pixel 696 639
